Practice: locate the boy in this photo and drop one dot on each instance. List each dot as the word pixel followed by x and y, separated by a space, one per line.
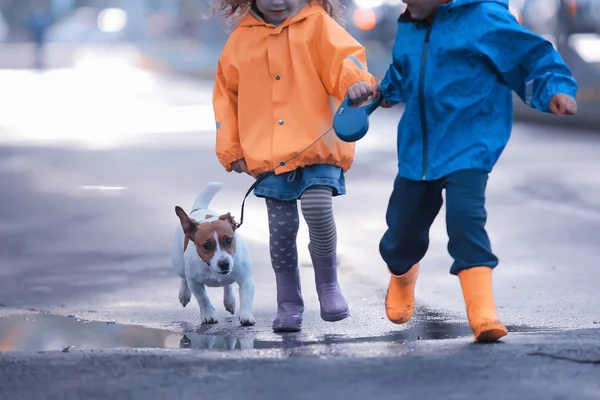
pixel 455 64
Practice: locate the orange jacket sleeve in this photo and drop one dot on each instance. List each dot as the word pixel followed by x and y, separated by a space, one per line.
pixel 342 61
pixel 228 146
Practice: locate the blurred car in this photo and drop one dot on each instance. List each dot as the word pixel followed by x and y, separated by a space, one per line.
pixel 578 16
pixel 561 18
pixel 376 20
pixel 90 25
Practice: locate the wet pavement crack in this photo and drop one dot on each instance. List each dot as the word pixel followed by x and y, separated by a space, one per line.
pixel 564 358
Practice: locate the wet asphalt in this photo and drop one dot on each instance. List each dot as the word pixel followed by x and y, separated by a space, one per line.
pixel 90 305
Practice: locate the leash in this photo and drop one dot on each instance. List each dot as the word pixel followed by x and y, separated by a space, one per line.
pixel 270 172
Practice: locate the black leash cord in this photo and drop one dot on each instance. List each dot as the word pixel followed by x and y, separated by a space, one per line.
pixel 270 172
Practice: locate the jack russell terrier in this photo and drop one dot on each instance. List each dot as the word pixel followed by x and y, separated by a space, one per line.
pixel 208 252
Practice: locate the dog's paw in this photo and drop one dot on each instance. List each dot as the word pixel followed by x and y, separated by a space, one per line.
pixel 247 320
pixel 209 317
pixel 229 305
pixel 184 293
pixel 209 320
pixel 184 297
pixel 229 298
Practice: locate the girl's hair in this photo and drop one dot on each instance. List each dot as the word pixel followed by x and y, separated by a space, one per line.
pixel 235 10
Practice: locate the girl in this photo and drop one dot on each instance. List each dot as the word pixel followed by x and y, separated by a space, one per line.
pixel 278 69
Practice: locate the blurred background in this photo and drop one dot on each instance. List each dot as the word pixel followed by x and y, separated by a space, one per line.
pixel 106 124
pixel 179 37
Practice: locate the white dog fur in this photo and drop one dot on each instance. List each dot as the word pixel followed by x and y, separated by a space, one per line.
pixel 196 273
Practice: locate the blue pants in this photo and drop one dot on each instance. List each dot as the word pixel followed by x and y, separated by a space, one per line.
pixel 412 209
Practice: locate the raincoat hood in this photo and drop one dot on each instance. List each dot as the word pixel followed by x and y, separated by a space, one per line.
pixel 253 19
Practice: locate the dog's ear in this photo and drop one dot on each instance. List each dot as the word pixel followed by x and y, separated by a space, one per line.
pixel 189 228
pixel 229 219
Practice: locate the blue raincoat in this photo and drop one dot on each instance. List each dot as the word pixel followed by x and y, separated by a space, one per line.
pixel 456 76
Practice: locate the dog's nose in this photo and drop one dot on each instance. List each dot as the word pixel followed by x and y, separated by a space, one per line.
pixel 223 264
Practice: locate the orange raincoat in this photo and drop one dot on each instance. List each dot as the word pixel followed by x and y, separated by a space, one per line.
pixel 272 93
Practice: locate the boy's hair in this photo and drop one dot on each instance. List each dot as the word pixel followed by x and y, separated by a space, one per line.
pixel 235 10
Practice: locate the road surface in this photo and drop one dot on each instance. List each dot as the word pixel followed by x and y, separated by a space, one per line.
pixel 91 171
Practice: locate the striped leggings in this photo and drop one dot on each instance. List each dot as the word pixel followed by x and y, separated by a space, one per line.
pixel 316 203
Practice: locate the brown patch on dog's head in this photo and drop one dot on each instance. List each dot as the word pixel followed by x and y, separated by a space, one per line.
pixel 209 237
pixel 229 219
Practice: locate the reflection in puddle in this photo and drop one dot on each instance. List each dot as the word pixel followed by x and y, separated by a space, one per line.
pixel 52 332
pixel 39 332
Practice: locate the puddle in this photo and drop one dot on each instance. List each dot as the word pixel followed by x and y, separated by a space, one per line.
pixel 46 332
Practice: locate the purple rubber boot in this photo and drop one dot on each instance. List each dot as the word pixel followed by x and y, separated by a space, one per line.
pixel 333 304
pixel 290 305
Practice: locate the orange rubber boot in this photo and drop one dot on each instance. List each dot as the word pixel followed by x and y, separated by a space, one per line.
pixel 476 285
pixel 400 298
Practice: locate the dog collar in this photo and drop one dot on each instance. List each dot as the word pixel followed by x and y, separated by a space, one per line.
pixel 209 220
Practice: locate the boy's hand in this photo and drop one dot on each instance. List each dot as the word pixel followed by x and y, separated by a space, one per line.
pixel 240 166
pixel 562 104
pixel 375 89
pixel 360 92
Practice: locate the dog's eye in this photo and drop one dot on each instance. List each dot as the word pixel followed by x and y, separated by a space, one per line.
pixel 207 246
pixel 228 241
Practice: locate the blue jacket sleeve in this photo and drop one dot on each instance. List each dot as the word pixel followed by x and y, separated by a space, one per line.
pixel 391 85
pixel 527 62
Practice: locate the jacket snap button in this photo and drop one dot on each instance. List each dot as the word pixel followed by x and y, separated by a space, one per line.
pixel 280 122
pixel 277 77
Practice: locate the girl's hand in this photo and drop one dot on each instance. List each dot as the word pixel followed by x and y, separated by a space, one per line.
pixel 562 104
pixel 375 89
pixel 360 92
pixel 240 166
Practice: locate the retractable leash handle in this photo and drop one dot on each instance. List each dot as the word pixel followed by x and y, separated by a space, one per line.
pixel 351 123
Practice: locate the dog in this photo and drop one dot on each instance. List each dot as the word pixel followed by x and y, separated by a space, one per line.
pixel 207 251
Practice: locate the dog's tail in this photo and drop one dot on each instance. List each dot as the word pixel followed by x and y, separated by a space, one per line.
pixel 206 195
